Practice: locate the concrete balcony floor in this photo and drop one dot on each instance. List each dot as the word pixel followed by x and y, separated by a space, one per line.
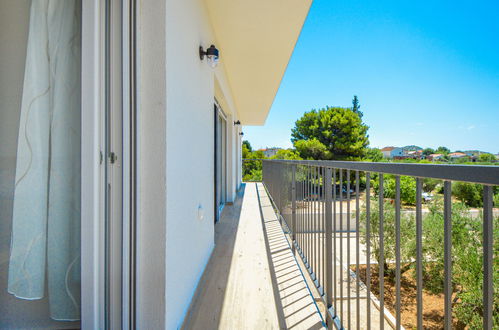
pixel 252 280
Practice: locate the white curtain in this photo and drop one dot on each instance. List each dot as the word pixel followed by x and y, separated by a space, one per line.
pixel 45 246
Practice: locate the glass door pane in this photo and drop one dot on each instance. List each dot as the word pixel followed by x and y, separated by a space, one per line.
pixel 40 110
pixel 220 162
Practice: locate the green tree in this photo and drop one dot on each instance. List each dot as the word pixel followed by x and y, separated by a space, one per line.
pixel 252 166
pixel 312 149
pixel 339 129
pixel 442 150
pixel 374 155
pixel 428 151
pixel 407 229
pixel 246 152
pixel 407 188
pixel 468 193
pixel 467 270
pixel 248 145
pixel 486 157
pixel 356 106
pixel 430 184
pixel 286 154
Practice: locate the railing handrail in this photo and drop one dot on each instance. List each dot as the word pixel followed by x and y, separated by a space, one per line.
pixel 482 174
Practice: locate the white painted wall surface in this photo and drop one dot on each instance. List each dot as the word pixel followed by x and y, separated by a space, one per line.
pixel 151 250
pixel 190 96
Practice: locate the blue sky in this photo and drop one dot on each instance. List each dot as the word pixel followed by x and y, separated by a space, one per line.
pixel 426 72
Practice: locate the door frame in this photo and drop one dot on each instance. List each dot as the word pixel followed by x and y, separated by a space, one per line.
pixel 92 242
pixel 94 161
pixel 218 207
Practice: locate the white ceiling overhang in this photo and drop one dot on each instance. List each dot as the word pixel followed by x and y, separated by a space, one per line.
pixel 256 39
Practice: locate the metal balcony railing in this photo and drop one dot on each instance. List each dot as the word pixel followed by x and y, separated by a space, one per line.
pixel 308 196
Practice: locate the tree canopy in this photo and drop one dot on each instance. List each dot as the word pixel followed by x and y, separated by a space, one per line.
pixel 374 155
pixel 486 157
pixel 286 154
pixel 312 149
pixel 339 130
pixel 442 150
pixel 356 106
pixel 428 151
pixel 247 145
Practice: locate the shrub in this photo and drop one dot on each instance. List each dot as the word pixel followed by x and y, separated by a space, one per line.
pixel 407 188
pixel 407 234
pixel 468 193
pixel 254 175
pixel 430 184
pixel 467 257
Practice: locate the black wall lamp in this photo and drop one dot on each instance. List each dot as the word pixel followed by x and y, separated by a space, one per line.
pixel 241 133
pixel 237 123
pixel 212 55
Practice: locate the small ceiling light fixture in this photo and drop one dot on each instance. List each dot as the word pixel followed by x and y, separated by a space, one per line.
pixel 237 123
pixel 211 54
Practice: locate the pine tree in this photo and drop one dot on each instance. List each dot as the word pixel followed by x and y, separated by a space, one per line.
pixel 356 106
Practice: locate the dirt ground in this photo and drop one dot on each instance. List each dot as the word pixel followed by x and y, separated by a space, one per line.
pixel 433 304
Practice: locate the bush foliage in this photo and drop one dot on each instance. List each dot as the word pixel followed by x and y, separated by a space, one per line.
pixel 467 254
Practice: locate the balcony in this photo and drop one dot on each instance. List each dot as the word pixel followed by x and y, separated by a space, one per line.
pixel 252 280
pixel 329 210
pixel 295 251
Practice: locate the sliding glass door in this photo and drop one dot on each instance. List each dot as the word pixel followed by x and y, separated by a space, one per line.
pixel 220 161
pixel 40 157
pixel 62 245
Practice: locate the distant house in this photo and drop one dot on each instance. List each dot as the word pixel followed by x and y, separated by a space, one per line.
pixel 392 152
pixel 414 154
pixel 433 157
pixel 455 155
pixel 269 152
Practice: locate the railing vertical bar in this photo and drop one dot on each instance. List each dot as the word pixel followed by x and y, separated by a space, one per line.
pixel 293 208
pixel 368 248
pixel 447 255
pixel 312 215
pixel 419 253
pixel 309 220
pixel 381 273
pixel 357 247
pixel 312 231
pixel 301 209
pixel 309 208
pixel 315 222
pixel 320 229
pixel 329 239
pixel 488 275
pixel 305 211
pixel 397 252
pixel 319 226
pixel 349 310
pixel 341 245
pixel 333 261
pixel 316 230
pixel 324 255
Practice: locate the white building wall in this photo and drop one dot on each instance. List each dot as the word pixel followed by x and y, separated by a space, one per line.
pixel 151 249
pixel 190 93
pixel 397 152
